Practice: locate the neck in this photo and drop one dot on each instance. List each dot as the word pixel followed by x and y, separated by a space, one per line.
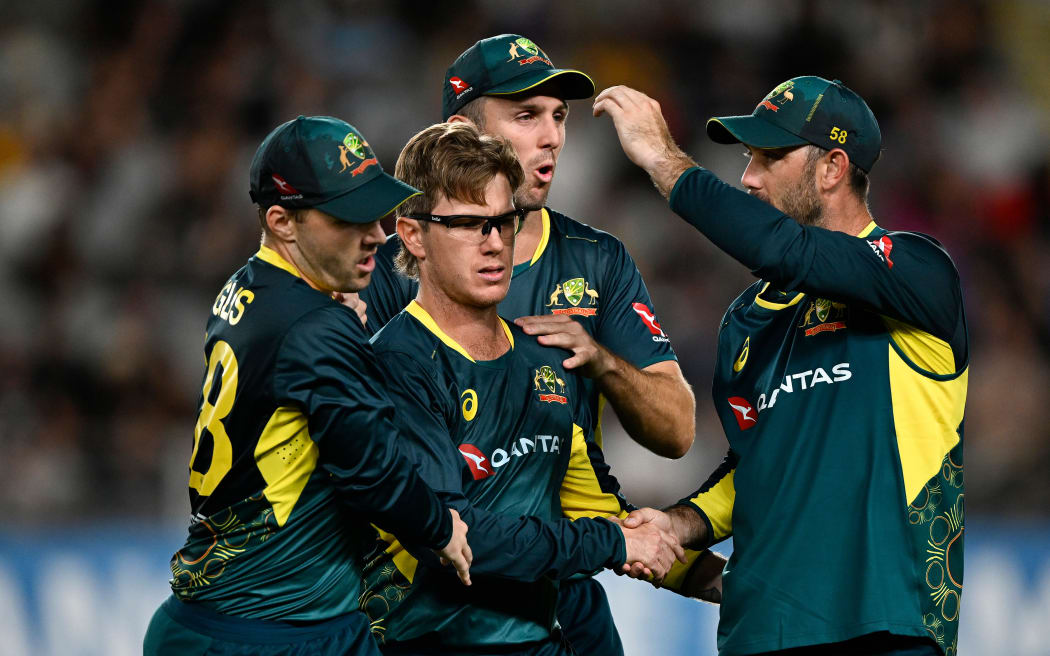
pixel 846 215
pixel 529 238
pixel 477 329
pixel 288 253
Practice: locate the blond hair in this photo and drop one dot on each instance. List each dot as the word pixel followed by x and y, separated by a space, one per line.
pixel 451 161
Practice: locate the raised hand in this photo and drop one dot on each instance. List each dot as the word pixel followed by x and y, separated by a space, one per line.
pixel 457 551
pixel 643 134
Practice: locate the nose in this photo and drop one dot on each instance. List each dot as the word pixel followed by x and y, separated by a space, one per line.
pixel 493 242
pixel 375 234
pixel 552 134
pixel 751 179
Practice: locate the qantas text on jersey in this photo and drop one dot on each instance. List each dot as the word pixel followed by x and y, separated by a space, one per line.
pixel 805 380
pixel 522 446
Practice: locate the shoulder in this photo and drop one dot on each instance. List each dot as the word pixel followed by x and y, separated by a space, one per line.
pixel 330 326
pixel 916 248
pixel 584 236
pixel 405 337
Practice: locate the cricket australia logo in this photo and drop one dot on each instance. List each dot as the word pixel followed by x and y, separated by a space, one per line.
pixel 529 51
pixel 573 291
pixel 546 382
pixel 778 97
pixel 357 148
pixel 823 316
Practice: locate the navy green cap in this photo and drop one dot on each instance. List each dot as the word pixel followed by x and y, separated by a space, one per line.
pixel 807 109
pixel 324 163
pixel 505 65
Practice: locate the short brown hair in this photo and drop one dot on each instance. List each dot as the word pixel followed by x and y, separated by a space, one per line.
pixel 453 161
pixel 475 111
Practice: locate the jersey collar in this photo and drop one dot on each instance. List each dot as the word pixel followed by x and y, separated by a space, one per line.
pixel 271 256
pixel 423 317
pixel 545 235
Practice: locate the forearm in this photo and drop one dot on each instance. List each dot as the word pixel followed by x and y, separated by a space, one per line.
pixel 528 548
pixel 688 527
pixel 656 407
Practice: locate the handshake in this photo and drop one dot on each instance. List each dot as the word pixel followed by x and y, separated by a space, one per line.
pixel 655 540
pixel 652 545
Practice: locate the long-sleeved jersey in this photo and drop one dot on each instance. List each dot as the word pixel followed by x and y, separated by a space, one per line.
pixel 840 382
pixel 294 453
pixel 500 443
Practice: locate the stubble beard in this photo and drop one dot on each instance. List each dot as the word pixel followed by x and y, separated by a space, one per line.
pixel 531 199
pixel 802 202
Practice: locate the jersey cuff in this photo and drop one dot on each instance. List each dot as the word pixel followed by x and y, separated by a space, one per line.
pixel 678 182
pixel 661 358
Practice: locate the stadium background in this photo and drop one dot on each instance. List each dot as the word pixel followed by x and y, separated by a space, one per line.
pixel 126 130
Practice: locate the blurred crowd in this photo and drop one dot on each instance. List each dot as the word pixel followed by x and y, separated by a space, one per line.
pixel 126 130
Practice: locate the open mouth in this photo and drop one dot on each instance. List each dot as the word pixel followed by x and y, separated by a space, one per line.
pixel 367 264
pixel 545 173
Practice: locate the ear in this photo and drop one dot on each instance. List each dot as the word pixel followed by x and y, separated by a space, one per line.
pixel 281 224
pixel 832 170
pixel 410 232
pixel 459 118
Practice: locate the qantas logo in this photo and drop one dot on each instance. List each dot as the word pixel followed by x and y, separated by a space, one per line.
pixel 746 415
pixel 286 189
pixel 482 467
pixel 459 87
pixel 649 319
pixel 882 248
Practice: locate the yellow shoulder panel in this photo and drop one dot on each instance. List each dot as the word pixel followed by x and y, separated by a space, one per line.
pixel 717 504
pixel 926 414
pixel 286 457
pixel 581 495
pixel 924 350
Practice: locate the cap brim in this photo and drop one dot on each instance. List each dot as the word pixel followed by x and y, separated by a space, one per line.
pixel 566 84
pixel 371 201
pixel 752 131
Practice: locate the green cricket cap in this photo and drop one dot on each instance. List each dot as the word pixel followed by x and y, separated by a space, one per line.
pixel 807 109
pixel 505 65
pixel 324 163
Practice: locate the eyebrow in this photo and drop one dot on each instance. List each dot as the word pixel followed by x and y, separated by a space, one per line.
pixel 535 107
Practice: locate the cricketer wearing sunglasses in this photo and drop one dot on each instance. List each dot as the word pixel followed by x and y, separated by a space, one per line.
pixel 495 422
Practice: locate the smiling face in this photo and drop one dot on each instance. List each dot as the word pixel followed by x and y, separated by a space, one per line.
pixel 535 127
pixel 334 255
pixel 471 273
pixel 786 179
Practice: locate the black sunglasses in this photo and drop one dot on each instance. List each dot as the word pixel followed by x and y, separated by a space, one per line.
pixel 465 225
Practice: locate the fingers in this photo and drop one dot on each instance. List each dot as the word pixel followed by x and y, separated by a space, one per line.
pixel 647 515
pixel 463 569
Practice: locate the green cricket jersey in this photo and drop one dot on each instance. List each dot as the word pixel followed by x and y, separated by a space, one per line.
pixel 499 441
pixel 575 270
pixel 294 454
pixel 840 382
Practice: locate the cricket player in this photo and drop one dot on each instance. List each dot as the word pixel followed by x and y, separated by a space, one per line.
pixel 840 381
pixel 574 286
pixel 491 416
pixel 294 450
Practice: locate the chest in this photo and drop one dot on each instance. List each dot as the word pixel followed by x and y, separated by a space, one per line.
pixel 512 424
pixel 786 358
pixel 566 280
